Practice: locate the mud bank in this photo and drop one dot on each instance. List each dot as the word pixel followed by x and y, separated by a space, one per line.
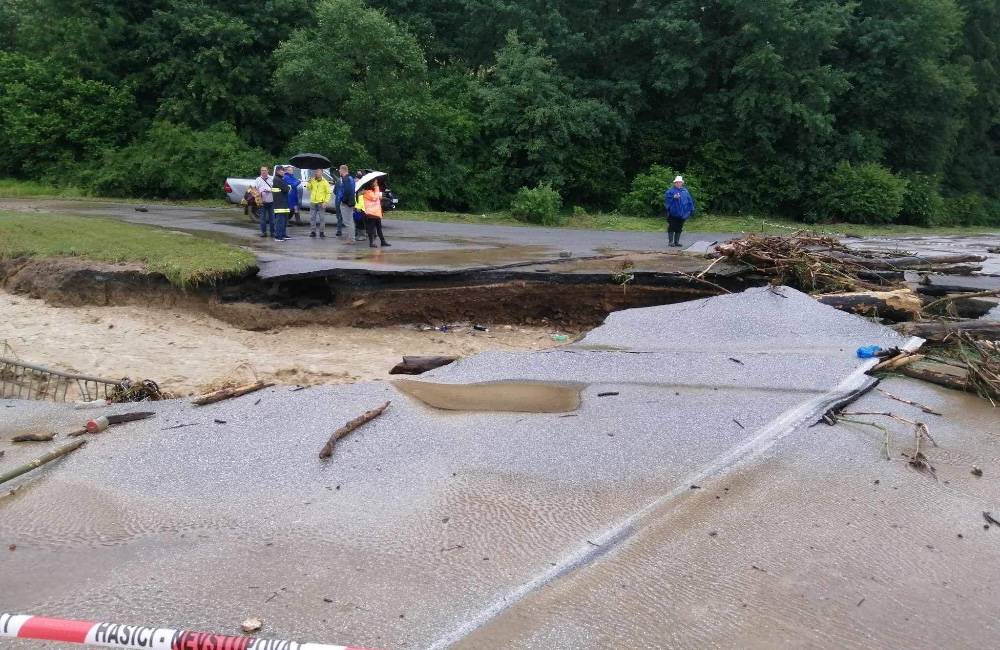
pixel 364 298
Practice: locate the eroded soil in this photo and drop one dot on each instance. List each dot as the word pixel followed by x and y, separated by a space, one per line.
pixel 186 351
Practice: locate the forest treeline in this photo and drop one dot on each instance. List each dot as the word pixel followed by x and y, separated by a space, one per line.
pixel 868 110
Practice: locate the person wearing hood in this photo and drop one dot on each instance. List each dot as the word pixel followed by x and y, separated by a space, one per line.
pixel 679 205
pixel 293 196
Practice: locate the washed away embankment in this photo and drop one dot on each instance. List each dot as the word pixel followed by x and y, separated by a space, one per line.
pixel 368 298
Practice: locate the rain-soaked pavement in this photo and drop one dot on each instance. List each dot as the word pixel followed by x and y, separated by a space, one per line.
pixel 686 502
pixel 415 244
pixel 419 245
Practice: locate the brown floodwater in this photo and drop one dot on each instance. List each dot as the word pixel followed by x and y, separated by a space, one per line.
pixel 523 397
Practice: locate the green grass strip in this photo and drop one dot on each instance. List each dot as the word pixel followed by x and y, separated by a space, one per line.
pixel 183 258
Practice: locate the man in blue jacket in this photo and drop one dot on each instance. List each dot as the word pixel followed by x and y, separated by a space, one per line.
pixel 679 204
pixel 293 196
pixel 345 199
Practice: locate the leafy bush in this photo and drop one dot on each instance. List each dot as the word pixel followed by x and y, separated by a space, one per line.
pixel 537 205
pixel 967 210
pixel 922 203
pixel 867 193
pixel 646 196
pixel 50 117
pixel 173 161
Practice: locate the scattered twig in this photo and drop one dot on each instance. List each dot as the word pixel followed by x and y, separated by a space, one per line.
pixel 229 393
pixel 704 281
pixel 41 460
pixel 709 267
pixel 738 423
pixel 925 409
pixel 179 426
pixel 735 360
pixel 884 430
pixel 33 437
pixel 608 393
pixel 367 416
pixel 990 519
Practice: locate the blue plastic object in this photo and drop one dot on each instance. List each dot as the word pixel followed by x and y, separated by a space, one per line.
pixel 868 351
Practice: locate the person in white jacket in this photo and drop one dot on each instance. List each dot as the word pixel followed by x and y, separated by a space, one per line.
pixel 263 185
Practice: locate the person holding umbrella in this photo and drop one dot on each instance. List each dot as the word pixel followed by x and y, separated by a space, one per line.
pixel 373 213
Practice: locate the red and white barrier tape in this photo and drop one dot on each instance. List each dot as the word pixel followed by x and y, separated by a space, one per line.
pixel 113 635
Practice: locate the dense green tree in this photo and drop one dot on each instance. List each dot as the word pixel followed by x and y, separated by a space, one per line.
pixel 51 119
pixel 976 165
pixel 538 129
pixel 756 99
pixel 908 88
pixel 373 77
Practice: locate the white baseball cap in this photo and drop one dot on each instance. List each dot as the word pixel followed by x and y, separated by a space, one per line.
pixel 679 179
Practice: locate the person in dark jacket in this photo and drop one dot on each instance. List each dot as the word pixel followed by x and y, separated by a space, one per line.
pixel 293 196
pixel 345 195
pixel 281 190
pixel 679 204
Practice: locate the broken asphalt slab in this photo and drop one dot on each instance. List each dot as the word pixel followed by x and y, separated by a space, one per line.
pixel 426 525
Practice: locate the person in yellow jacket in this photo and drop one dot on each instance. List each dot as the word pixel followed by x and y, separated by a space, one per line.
pixel 319 196
pixel 372 196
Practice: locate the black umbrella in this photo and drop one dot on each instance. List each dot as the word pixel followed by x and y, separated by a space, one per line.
pixel 310 161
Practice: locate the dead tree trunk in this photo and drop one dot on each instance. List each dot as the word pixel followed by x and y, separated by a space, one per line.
pixel 937 331
pixel 896 306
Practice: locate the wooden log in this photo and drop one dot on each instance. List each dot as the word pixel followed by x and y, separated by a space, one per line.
pixel 33 437
pixel 896 306
pixel 938 331
pixel 970 308
pixel 897 361
pixel 367 416
pixel 947 376
pixel 420 365
pixel 41 460
pixel 229 393
pixel 914 261
pixel 947 299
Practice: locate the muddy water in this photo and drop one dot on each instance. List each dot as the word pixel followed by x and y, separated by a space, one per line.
pixel 523 397
pixel 186 351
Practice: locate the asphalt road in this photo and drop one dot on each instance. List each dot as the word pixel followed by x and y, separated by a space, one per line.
pixel 415 244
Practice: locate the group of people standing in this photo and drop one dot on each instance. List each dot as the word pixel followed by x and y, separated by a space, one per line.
pixel 358 208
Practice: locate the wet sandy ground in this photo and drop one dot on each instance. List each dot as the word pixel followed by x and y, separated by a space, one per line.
pixel 185 351
pixel 432 526
pixel 821 543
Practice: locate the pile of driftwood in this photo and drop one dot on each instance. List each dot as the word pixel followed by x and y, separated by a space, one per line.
pixel 820 263
pixel 873 284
